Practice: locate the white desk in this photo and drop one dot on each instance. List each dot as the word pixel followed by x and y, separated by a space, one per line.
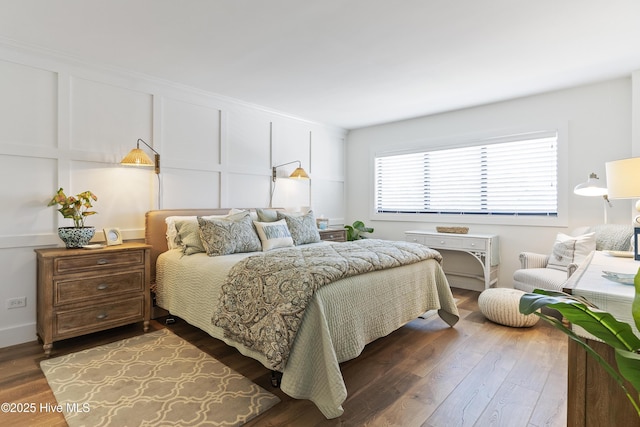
pixel 484 248
pixel 608 295
pixel 593 398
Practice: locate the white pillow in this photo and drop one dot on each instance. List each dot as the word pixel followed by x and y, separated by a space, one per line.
pixel 273 234
pixel 569 249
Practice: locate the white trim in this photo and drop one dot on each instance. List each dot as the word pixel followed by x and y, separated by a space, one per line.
pixel 18 334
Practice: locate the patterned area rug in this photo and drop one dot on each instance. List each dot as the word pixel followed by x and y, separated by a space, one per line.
pixel 151 380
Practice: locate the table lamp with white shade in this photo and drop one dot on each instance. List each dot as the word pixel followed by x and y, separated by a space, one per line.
pixel 623 182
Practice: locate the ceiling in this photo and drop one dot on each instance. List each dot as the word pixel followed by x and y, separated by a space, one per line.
pixel 349 63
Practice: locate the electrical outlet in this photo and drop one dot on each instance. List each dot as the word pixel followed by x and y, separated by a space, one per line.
pixel 17 302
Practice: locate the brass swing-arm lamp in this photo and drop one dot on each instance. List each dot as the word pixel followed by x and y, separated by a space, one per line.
pixel 298 173
pixel 137 157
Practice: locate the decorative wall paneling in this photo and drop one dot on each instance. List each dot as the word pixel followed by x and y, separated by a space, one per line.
pixel 64 123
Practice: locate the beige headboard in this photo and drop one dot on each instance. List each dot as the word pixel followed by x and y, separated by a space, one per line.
pixel 155 229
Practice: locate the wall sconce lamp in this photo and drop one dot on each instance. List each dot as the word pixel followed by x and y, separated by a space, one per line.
pixel 298 173
pixel 591 188
pixel 137 157
pixel 623 182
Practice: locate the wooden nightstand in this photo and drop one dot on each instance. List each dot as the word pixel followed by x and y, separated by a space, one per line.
pixel 333 234
pixel 87 290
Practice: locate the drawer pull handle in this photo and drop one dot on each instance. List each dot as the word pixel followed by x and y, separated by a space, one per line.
pixel 473 244
pixel 102 316
pixel 103 261
pixel 442 242
pixel 102 286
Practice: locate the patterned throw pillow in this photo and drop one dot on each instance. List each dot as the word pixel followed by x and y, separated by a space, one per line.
pixel 273 234
pixel 188 233
pixel 184 232
pixel 303 228
pixel 568 249
pixel 233 234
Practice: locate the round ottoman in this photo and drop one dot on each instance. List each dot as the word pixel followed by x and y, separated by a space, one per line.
pixel 500 305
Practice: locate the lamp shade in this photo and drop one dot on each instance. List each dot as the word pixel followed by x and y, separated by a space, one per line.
pixel 299 173
pixel 623 178
pixel 591 187
pixel 137 157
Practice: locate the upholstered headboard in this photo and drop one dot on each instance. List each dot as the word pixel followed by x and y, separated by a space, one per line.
pixel 155 229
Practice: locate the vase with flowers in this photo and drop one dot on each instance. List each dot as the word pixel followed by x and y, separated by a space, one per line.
pixel 75 208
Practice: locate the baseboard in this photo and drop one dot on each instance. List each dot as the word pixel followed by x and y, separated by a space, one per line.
pixel 19 334
pixel 465 283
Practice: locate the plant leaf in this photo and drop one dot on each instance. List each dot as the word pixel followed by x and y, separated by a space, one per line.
pixel 359 225
pixel 635 305
pixel 618 377
pixel 597 322
pixel 629 366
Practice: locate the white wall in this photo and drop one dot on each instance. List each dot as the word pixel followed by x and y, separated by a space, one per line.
pixel 67 124
pixel 598 122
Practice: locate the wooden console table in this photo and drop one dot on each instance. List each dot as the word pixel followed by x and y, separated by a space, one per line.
pixel 482 247
pixel 594 398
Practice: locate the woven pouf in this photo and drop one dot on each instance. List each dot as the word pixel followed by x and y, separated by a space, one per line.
pixel 500 305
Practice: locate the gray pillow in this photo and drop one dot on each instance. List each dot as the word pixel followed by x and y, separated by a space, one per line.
pixel 303 228
pixel 233 234
pixel 267 215
pixel 188 233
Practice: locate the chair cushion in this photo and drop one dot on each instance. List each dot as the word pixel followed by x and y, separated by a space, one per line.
pixel 528 279
pixel 501 305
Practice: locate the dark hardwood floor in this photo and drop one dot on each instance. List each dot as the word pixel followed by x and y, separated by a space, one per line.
pixel 424 374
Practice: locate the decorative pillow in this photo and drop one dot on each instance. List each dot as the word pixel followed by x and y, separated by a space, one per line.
pixel 173 240
pixel 613 237
pixel 184 232
pixel 267 215
pixel 303 228
pixel 568 249
pixel 233 234
pixel 189 234
pixel 273 234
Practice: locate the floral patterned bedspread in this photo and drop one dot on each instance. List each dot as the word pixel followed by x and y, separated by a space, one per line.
pixel 264 296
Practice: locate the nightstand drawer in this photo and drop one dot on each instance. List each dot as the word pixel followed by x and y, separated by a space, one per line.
pixel 90 288
pixel 333 235
pixel 102 260
pixel 99 317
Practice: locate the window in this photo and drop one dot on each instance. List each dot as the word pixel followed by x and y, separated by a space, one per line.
pixel 508 176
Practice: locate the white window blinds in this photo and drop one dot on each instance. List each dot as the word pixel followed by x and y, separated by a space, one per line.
pixel 514 175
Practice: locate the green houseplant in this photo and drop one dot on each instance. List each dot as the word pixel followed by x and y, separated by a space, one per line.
pixel 354 232
pixel 600 324
pixel 75 208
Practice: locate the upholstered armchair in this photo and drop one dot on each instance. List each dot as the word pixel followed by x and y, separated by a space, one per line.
pixel 551 271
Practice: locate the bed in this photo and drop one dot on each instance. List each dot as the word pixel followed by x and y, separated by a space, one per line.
pixel 337 322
